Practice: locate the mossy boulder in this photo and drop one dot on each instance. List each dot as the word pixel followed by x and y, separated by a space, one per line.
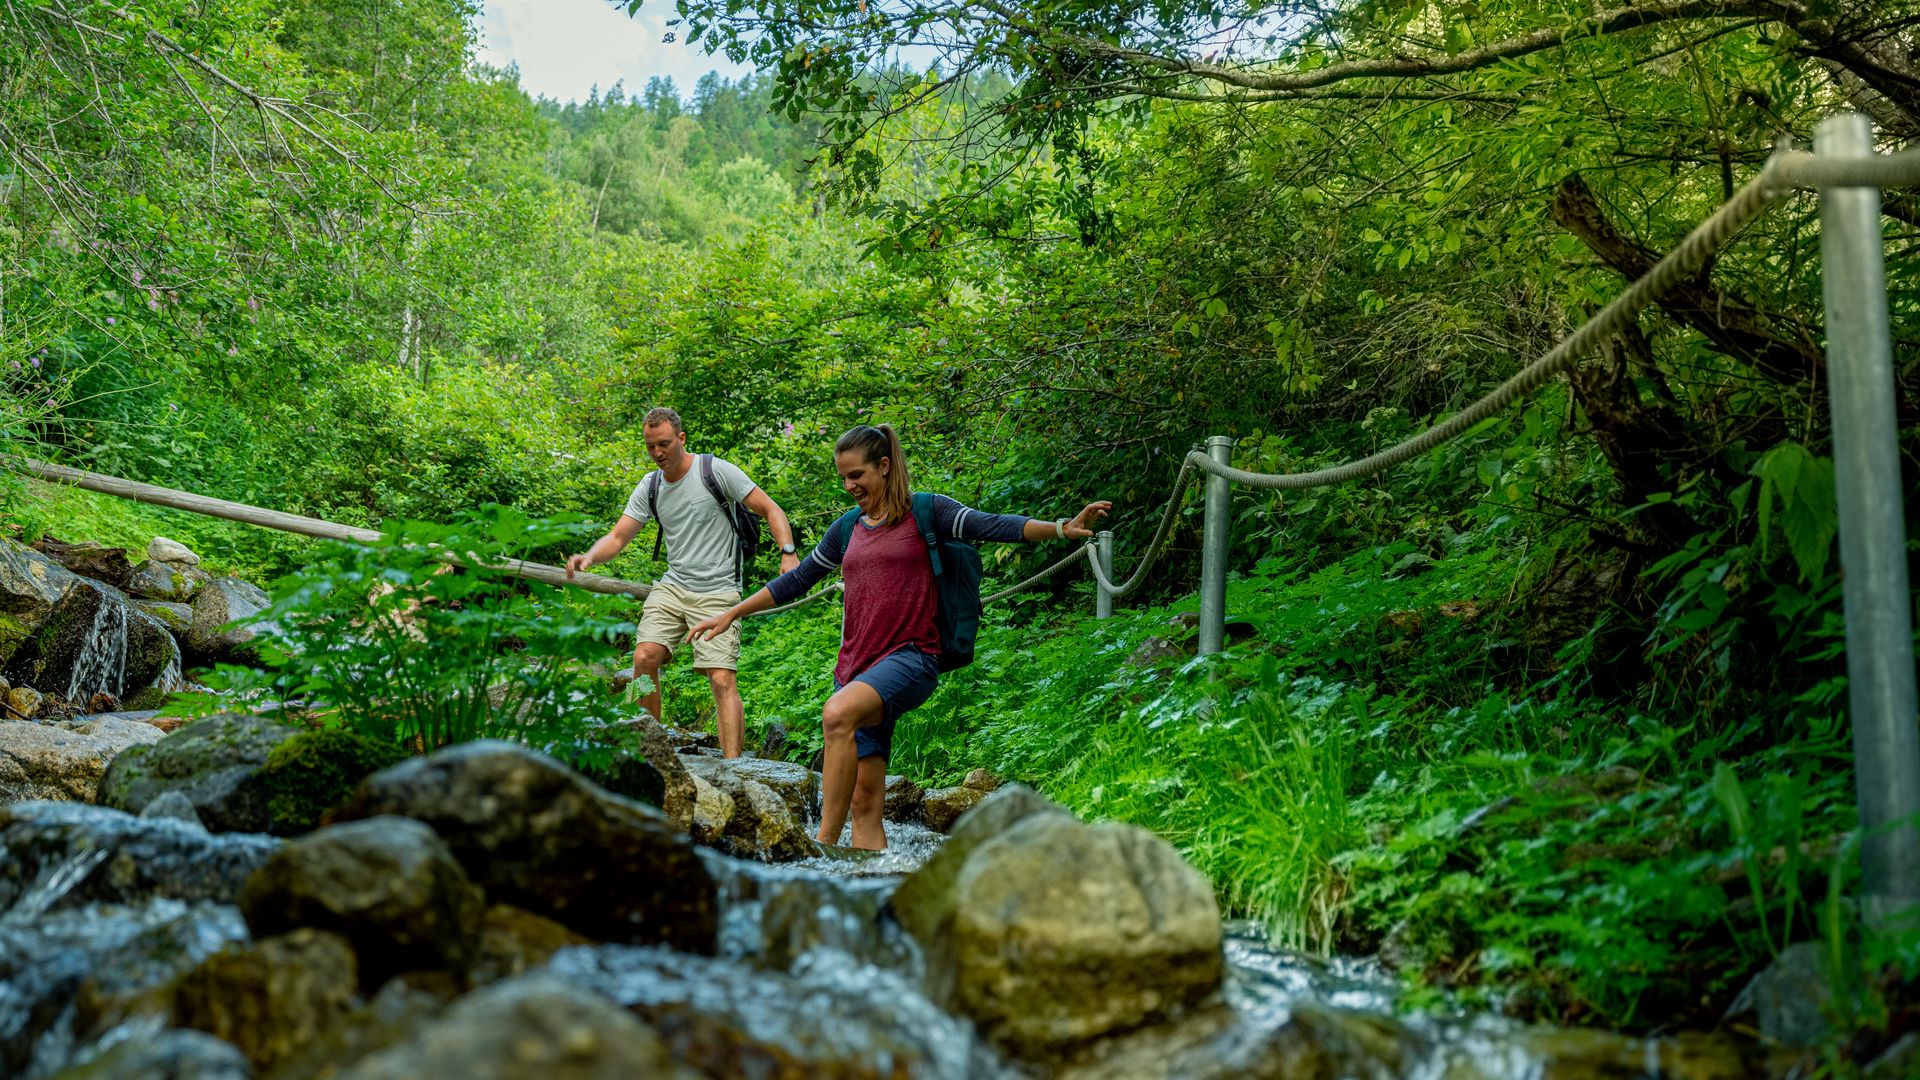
pixel 216 761
pixel 314 771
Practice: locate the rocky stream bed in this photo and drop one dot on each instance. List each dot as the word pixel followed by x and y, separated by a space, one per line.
pixel 242 897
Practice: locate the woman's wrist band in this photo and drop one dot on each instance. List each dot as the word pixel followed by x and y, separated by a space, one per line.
pixel 1060 528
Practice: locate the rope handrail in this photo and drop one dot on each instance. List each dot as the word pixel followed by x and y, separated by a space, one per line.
pixel 1786 171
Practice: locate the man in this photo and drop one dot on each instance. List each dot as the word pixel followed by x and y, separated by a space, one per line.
pixel 700 578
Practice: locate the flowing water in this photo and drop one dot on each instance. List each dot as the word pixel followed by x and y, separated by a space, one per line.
pixel 102 661
pixel 808 968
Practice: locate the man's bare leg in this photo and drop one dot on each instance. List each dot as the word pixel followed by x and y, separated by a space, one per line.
pixel 730 716
pixel 648 657
pixel 852 707
pixel 870 804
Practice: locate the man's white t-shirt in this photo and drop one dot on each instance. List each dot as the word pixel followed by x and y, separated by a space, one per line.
pixel 700 538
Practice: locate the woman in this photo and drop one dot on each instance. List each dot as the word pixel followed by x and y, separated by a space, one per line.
pixel 888 639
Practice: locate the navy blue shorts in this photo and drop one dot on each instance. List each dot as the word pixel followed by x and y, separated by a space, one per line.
pixel 904 679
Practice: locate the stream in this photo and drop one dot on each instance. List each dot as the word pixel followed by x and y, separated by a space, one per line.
pixel 98 907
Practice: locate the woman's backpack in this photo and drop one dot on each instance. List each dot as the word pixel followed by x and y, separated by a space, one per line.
pixel 956 581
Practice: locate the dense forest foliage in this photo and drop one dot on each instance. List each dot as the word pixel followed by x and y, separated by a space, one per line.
pixel 1555 713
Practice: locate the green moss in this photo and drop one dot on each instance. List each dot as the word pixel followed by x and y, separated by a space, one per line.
pixel 314 771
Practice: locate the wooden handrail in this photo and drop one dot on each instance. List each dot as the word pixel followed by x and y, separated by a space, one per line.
pixel 295 523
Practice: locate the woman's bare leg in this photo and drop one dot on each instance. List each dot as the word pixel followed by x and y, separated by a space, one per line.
pixel 870 804
pixel 852 707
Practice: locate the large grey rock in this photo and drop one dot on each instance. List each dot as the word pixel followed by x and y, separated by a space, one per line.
pixel 42 761
pixel 215 608
pixel 166 582
pixel 215 761
pixel 532 1026
pixel 73 636
pixel 1053 932
pixel 273 997
pixel 536 835
pixel 31 586
pixel 387 884
pixel 117 858
pixel 164 550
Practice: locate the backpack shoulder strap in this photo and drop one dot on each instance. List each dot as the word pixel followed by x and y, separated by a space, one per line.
pixel 653 511
pixel 842 528
pixel 713 486
pixel 923 518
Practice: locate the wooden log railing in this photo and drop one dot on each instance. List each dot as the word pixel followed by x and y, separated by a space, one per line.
pixel 295 523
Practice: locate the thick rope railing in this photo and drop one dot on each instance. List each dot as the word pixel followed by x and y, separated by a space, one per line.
pixel 1783 172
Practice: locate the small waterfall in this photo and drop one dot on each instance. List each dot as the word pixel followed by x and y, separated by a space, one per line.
pixel 171 678
pixel 53 882
pixel 101 663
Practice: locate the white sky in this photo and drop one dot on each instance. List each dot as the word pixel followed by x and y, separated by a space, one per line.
pixel 564 47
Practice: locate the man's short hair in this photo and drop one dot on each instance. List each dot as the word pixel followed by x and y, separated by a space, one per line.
pixel 663 415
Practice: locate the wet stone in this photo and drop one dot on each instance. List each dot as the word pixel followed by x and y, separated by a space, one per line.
pixel 905 800
pixel 513 941
pixel 165 1055
pixel 832 1017
pixel 1050 933
pixel 533 1026
pixel 177 618
pixel 387 884
pixel 943 806
pixel 215 761
pixel 48 761
pixel 537 835
pixel 115 857
pixel 271 998
pixel 22 703
pixel 67 974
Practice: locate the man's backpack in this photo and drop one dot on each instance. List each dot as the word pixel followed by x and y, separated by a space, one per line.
pixel 956 582
pixel 746 524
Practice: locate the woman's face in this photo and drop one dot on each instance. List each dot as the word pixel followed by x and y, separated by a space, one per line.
pixel 862 479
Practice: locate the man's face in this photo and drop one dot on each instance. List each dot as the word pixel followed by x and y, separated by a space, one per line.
pixel 665 445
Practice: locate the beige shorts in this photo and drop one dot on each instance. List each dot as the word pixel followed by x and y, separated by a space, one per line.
pixel 671 611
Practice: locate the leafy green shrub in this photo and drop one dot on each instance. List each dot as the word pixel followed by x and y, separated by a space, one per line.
pixel 391 640
pixel 314 771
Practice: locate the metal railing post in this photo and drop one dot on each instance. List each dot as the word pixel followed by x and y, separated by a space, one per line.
pixel 1218 528
pixel 1103 598
pixel 1873 542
